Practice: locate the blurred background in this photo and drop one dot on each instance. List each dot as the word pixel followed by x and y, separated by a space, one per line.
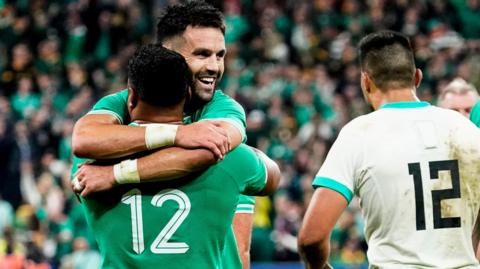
pixel 292 64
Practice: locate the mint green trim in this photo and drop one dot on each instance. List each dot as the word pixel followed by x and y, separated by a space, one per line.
pixel 104 111
pixel 245 211
pixel 333 185
pixel 415 104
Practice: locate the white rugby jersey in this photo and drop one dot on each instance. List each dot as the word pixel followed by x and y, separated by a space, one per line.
pixel 416 169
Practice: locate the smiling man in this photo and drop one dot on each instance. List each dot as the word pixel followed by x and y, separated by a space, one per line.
pixel 195 29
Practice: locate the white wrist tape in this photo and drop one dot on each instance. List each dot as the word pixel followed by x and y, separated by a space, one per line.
pixel 160 135
pixel 126 172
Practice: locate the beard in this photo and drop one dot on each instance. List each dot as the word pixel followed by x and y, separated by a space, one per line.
pixel 196 101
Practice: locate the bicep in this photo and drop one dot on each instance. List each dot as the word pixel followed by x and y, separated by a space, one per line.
pixel 273 174
pixel 324 209
pixel 87 124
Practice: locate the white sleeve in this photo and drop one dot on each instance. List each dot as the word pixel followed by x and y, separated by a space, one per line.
pixel 340 169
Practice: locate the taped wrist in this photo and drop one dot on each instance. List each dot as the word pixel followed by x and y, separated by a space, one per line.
pixel 126 172
pixel 160 135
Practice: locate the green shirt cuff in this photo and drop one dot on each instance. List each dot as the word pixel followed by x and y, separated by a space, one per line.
pixel 333 185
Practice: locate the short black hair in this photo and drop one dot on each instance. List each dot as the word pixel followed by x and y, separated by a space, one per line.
pixel 387 57
pixel 175 19
pixel 159 76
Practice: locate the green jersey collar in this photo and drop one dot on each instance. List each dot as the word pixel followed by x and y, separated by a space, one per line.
pixel 415 104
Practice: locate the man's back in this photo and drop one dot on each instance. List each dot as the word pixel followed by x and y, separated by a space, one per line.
pixel 178 224
pixel 416 171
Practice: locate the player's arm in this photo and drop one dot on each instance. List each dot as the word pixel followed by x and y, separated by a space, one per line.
pixel 165 164
pixel 101 134
pixel 242 227
pixel 273 174
pixel 334 185
pixel 323 212
pixel 228 114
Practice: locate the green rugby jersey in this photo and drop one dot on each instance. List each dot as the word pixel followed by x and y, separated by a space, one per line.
pixel 475 114
pixel 178 223
pixel 221 107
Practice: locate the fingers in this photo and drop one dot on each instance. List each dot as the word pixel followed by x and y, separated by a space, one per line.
pixel 220 138
pixel 215 149
pixel 85 192
pixel 76 185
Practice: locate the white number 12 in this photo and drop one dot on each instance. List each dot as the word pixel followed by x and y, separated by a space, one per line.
pixel 160 245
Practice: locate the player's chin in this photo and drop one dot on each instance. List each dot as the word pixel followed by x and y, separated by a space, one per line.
pixel 205 93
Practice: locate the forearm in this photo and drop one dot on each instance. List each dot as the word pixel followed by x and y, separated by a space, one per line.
pixel 315 255
pixel 173 163
pixel 242 227
pixel 99 137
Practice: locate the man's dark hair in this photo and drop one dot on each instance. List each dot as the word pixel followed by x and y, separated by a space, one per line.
pixel 175 19
pixel 388 59
pixel 159 76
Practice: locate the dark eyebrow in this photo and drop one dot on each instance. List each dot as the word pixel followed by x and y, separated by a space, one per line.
pixel 202 51
pixel 222 53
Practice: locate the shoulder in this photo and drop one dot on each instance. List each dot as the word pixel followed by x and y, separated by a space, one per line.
pixel 221 98
pixel 359 124
pixel 241 154
pixel 241 163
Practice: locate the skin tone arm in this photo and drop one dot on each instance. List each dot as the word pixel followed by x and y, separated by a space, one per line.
pixel 242 227
pixel 243 222
pixel 273 174
pixel 323 212
pixel 167 163
pixel 100 136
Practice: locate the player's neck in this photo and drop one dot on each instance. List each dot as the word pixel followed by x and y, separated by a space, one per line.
pixel 392 96
pixel 147 113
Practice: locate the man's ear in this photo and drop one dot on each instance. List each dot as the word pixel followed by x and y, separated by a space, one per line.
pixel 418 77
pixel 132 99
pixel 365 82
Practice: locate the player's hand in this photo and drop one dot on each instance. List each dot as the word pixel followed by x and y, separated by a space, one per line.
pixel 91 178
pixel 204 134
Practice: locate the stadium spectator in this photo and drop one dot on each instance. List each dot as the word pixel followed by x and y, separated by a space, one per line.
pixel 458 95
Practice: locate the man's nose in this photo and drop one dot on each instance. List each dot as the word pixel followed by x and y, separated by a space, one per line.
pixel 212 64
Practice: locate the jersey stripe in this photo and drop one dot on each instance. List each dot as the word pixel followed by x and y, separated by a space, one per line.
pixel 333 185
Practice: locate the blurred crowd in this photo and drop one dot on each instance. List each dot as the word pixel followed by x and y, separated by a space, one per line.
pixel 291 64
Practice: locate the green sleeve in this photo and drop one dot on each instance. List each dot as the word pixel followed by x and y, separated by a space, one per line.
pixel 246 167
pixel 475 114
pixel 246 204
pixel 75 163
pixel 114 104
pixel 223 107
